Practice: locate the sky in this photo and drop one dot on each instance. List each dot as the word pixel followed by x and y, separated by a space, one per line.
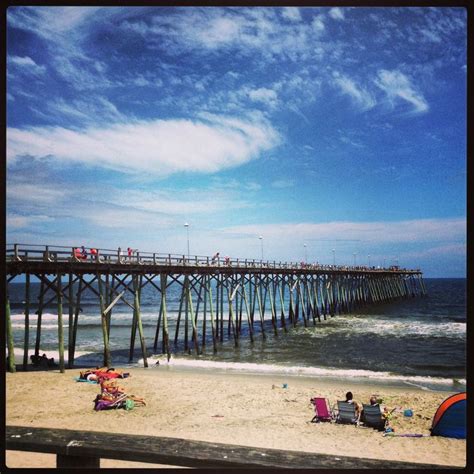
pixel 337 135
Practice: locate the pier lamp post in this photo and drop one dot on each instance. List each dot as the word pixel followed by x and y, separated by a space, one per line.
pixel 305 254
pixel 333 256
pixel 368 258
pixel 187 233
pixel 261 245
pixel 354 258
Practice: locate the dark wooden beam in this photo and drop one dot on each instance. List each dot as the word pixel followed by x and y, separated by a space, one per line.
pixel 85 448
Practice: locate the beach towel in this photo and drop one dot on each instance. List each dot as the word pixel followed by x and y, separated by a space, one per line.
pixel 78 379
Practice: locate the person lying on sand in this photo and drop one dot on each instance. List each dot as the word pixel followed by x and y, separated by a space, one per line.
pixel 103 373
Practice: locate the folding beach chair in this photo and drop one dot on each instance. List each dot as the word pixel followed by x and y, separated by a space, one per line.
pixel 322 410
pixel 346 413
pixel 372 416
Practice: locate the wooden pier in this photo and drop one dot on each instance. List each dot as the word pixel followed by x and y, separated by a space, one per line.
pixel 220 299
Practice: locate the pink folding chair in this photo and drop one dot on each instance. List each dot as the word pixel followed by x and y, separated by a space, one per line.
pixel 322 410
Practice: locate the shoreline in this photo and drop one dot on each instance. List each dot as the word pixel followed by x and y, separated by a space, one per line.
pixel 235 408
pixel 182 362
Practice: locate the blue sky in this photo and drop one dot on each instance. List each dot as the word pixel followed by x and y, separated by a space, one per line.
pixel 330 128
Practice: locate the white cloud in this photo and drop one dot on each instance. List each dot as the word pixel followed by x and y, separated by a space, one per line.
pixel 27 64
pixel 264 95
pixel 189 202
pixel 359 96
pixel 17 221
pixel 49 22
pixel 336 13
pixel 291 13
pixel 398 86
pixel 421 230
pixel 283 183
pixel 91 109
pixel 449 250
pixel 37 193
pixel 159 147
pixel 318 24
pixel 264 31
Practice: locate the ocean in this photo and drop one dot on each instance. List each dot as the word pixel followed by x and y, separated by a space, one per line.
pixel 415 342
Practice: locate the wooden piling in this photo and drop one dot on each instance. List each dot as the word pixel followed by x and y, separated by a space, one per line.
pixel 211 312
pixel 26 341
pixel 181 301
pixel 137 290
pixel 39 317
pixel 260 310
pixel 281 289
pixel 166 345
pixel 247 312
pixel 103 317
pixel 77 310
pixel 158 323
pixel 193 321
pixel 71 324
pixel 10 343
pixel 204 316
pixel 186 311
pixel 60 324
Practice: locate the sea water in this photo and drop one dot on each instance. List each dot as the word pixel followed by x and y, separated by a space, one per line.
pixel 416 341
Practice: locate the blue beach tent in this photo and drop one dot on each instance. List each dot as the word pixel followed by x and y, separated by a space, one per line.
pixel 450 417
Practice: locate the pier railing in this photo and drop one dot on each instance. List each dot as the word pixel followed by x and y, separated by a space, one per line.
pixel 58 253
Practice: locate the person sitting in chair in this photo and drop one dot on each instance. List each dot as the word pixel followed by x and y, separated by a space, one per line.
pixel 358 406
pixel 374 401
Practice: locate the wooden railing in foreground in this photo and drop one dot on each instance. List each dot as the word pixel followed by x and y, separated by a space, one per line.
pixel 84 449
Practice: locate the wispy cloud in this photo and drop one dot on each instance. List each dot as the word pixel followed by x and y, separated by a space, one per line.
pixel 92 109
pixel 359 96
pixel 18 221
pixel 336 13
pixel 247 30
pixel 160 147
pixel 283 183
pixel 420 230
pixel 34 192
pixel 398 86
pixel 266 96
pixel 291 13
pixel 26 64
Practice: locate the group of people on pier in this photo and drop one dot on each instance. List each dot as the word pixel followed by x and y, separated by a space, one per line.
pixel 131 255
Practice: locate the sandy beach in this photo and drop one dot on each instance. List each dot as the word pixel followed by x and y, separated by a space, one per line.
pixel 244 409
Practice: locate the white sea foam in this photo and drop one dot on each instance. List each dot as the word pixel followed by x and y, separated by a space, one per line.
pixel 386 327
pixel 423 382
pixel 248 367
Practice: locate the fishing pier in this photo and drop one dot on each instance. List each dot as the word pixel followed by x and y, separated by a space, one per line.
pixel 220 299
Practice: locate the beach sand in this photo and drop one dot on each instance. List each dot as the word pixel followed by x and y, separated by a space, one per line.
pixel 234 408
